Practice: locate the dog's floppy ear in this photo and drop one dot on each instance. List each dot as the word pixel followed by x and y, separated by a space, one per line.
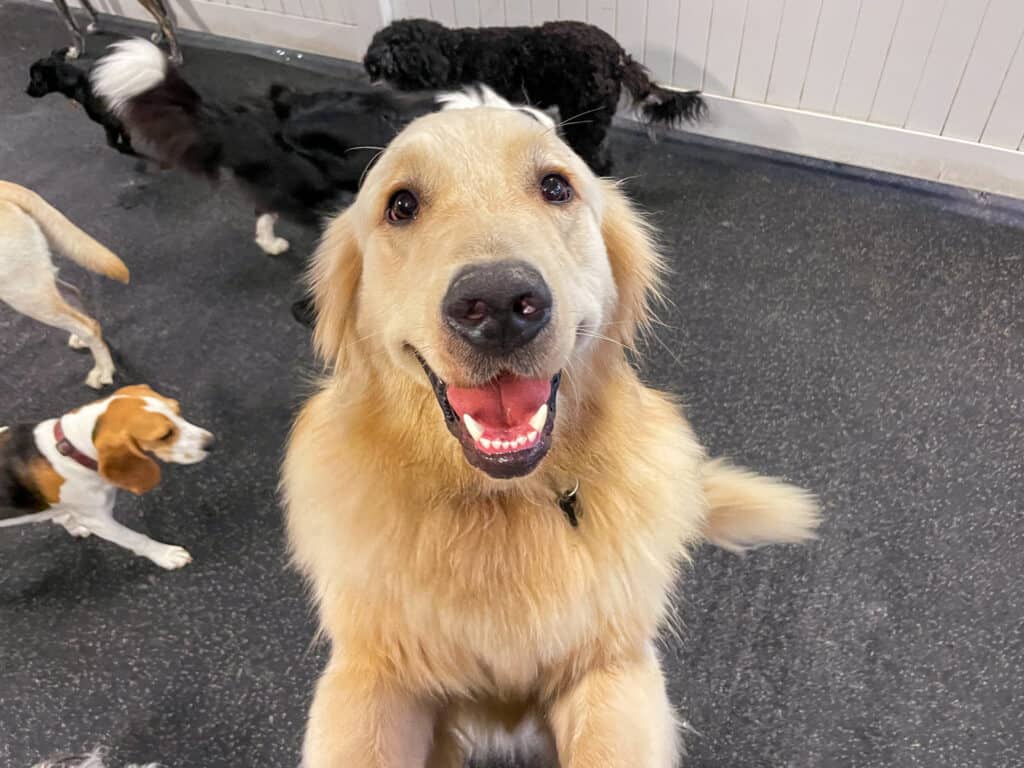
pixel 334 280
pixel 117 437
pixel 636 264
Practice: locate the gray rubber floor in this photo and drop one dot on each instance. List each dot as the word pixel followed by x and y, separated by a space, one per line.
pixel 861 338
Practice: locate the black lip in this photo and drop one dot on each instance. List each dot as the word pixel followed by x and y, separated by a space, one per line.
pixel 504 466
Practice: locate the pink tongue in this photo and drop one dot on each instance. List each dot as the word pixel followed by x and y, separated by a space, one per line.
pixel 507 401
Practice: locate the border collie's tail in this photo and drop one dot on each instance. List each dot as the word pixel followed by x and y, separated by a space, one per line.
pixel 657 103
pixel 746 510
pixel 60 232
pixel 146 92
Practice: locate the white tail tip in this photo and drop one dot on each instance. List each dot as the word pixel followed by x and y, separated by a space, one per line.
pixel 135 66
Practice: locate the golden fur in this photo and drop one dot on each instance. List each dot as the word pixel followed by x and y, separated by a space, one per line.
pixel 454 601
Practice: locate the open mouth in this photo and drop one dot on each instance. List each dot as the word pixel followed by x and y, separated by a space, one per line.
pixel 505 425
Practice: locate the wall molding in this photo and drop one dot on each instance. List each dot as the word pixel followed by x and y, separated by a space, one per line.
pixel 868 145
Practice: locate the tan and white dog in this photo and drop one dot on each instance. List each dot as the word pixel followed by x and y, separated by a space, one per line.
pixel 28 278
pixel 68 470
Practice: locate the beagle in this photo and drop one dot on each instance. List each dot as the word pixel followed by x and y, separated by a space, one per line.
pixel 67 470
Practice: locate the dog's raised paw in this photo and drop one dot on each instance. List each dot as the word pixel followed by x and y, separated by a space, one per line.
pixel 171 557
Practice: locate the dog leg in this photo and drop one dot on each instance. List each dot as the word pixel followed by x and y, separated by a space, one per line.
pixel 265 237
pixel 72 525
pixel 167 556
pixel 51 308
pixel 617 717
pixel 77 38
pixel 94 23
pixel 360 719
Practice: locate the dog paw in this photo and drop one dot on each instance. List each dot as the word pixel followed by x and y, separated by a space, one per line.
pixel 72 526
pixel 170 557
pixel 274 247
pixel 99 378
pixel 76 343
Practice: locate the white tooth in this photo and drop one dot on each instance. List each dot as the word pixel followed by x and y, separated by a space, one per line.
pixel 474 429
pixel 521 440
pixel 485 442
pixel 540 418
pixel 532 436
pixel 505 445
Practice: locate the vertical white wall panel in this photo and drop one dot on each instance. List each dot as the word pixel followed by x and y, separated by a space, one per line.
pixel 662 22
pixel 468 12
pixel 492 13
pixel 602 14
pixel 574 10
pixel 691 52
pixel 442 10
pixel 631 26
pixel 833 37
pixel 868 53
pixel 793 52
pixel 724 43
pixel 543 10
pixel 1005 126
pixel 951 48
pixel 912 40
pixel 517 13
pixel 986 70
pixel 760 34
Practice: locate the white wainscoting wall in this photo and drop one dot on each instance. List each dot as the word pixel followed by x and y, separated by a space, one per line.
pixel 339 28
pixel 929 88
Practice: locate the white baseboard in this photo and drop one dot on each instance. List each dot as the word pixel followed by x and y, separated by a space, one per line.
pixel 868 145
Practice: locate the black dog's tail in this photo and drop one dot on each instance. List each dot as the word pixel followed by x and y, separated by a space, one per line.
pixel 157 106
pixel 657 103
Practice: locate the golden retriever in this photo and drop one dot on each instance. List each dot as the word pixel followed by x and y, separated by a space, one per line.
pixel 490 507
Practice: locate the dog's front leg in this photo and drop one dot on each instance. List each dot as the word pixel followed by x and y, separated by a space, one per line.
pixel 103 524
pixel 617 716
pixel 359 719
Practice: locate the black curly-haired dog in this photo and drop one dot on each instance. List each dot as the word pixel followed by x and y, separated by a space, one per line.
pixel 54 74
pixel 576 67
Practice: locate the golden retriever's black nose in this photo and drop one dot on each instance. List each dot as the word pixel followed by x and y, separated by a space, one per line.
pixel 497 307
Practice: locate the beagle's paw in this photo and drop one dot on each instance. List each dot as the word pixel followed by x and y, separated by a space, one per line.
pixel 170 557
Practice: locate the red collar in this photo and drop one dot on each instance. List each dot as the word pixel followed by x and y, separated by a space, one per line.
pixel 65 448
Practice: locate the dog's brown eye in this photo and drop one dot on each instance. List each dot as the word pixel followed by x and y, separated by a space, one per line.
pixel 555 188
pixel 403 206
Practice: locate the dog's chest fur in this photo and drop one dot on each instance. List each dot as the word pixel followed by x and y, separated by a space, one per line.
pixel 499 592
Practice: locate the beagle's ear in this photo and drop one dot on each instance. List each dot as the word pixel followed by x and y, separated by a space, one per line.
pixel 119 434
pixel 124 464
pixel 334 283
pixel 636 264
